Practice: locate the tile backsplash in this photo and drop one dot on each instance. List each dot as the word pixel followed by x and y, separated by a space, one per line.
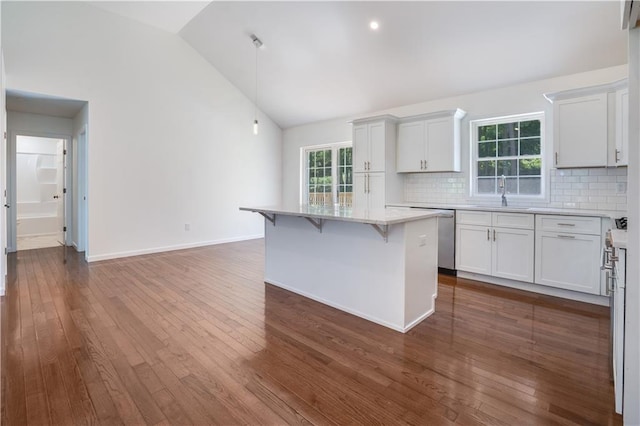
pixel 584 189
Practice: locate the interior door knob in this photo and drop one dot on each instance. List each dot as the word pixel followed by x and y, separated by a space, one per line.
pixel 7 205
pixel 56 196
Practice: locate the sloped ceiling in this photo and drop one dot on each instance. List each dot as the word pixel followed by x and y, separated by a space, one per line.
pixel 321 60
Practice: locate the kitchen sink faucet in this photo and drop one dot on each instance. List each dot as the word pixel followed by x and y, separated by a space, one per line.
pixel 503 185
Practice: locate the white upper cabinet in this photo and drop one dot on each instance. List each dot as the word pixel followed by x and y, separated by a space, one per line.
pixel 369 141
pixel 621 155
pixel 580 131
pixel 429 142
pixel 374 160
pixel 585 126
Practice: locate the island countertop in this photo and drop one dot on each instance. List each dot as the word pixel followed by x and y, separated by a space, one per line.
pixel 387 216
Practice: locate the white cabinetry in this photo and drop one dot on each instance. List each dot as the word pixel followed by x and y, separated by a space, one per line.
pixel 369 141
pixel 585 126
pixel 620 154
pixel 497 244
pixel 368 190
pixel 430 142
pixel 568 252
pixel 375 182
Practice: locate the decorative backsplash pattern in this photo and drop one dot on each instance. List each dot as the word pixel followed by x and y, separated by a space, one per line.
pixel 584 189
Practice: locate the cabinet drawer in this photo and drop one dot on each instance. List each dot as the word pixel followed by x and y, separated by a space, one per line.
pixel 513 220
pixel 470 217
pixel 568 224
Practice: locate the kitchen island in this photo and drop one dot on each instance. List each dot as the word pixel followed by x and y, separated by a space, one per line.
pixel 380 265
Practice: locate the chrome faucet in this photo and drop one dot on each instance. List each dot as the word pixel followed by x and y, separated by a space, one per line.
pixel 503 185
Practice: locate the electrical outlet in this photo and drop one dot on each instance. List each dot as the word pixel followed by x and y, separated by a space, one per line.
pixel 621 188
pixel 187 227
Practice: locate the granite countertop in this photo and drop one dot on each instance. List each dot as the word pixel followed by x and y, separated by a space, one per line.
pixel 513 209
pixel 388 216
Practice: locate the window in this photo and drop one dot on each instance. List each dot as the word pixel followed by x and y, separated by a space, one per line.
pixel 511 147
pixel 327 177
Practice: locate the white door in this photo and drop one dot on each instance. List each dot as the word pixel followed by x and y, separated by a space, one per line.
pixel 569 261
pixel 410 147
pixel 360 196
pixel 377 139
pixel 581 131
pixel 473 249
pixel 440 149
pixel 60 195
pixel 375 190
pixel 360 148
pixel 512 253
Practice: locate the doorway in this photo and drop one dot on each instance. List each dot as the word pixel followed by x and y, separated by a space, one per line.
pixel 40 192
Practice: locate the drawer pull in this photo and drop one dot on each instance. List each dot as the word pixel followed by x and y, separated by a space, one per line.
pixel 566 224
pixel 570 237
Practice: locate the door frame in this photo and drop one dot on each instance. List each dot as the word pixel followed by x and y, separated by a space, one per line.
pixel 12 183
pixel 80 160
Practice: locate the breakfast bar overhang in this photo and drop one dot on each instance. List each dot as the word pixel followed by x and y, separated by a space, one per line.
pixel 380 265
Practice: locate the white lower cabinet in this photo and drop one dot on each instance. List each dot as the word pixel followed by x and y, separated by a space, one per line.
pixel 512 254
pixel 473 249
pixel 569 261
pixel 568 252
pixel 494 250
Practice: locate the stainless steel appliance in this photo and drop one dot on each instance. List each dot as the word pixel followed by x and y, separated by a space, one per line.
pixel 446 242
pixel 614 265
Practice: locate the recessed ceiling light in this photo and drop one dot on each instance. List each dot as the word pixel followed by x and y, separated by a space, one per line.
pixel 374 25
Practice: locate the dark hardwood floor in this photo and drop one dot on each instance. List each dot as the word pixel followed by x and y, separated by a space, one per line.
pixel 196 337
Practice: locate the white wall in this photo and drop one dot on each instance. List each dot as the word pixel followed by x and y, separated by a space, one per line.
pixel 170 139
pixel 523 98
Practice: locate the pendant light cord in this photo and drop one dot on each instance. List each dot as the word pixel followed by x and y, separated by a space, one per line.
pixel 255 99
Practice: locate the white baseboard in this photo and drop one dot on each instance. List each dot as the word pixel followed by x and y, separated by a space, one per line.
pixel 118 255
pixel 536 288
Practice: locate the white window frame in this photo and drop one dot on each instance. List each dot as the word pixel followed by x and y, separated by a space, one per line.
pixel 304 175
pixel 473 137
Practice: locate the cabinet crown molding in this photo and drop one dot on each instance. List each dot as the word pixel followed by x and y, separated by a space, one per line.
pixel 586 91
pixel 455 113
pixel 384 117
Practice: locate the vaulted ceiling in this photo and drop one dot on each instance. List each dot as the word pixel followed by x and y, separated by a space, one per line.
pixel 321 60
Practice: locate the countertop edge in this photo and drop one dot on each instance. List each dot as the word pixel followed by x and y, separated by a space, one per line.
pixel 356 219
pixel 531 210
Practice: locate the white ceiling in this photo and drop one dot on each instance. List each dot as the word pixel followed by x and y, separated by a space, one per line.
pixel 320 60
pixel 170 16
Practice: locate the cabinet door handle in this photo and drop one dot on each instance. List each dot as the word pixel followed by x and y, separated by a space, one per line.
pixel 494 235
pixel 556 158
pixel 570 237
pixel 420 164
pixel 425 164
pixel 617 155
pixel 566 224
pixel 488 235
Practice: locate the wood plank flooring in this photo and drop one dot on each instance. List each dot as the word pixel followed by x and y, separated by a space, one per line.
pixel 196 337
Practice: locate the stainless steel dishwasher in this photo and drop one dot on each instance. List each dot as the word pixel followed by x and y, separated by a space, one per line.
pixel 446 242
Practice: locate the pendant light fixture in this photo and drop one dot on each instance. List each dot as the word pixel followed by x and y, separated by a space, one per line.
pixel 257 43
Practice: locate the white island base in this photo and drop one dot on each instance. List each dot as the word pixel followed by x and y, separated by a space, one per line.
pixel 350 266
